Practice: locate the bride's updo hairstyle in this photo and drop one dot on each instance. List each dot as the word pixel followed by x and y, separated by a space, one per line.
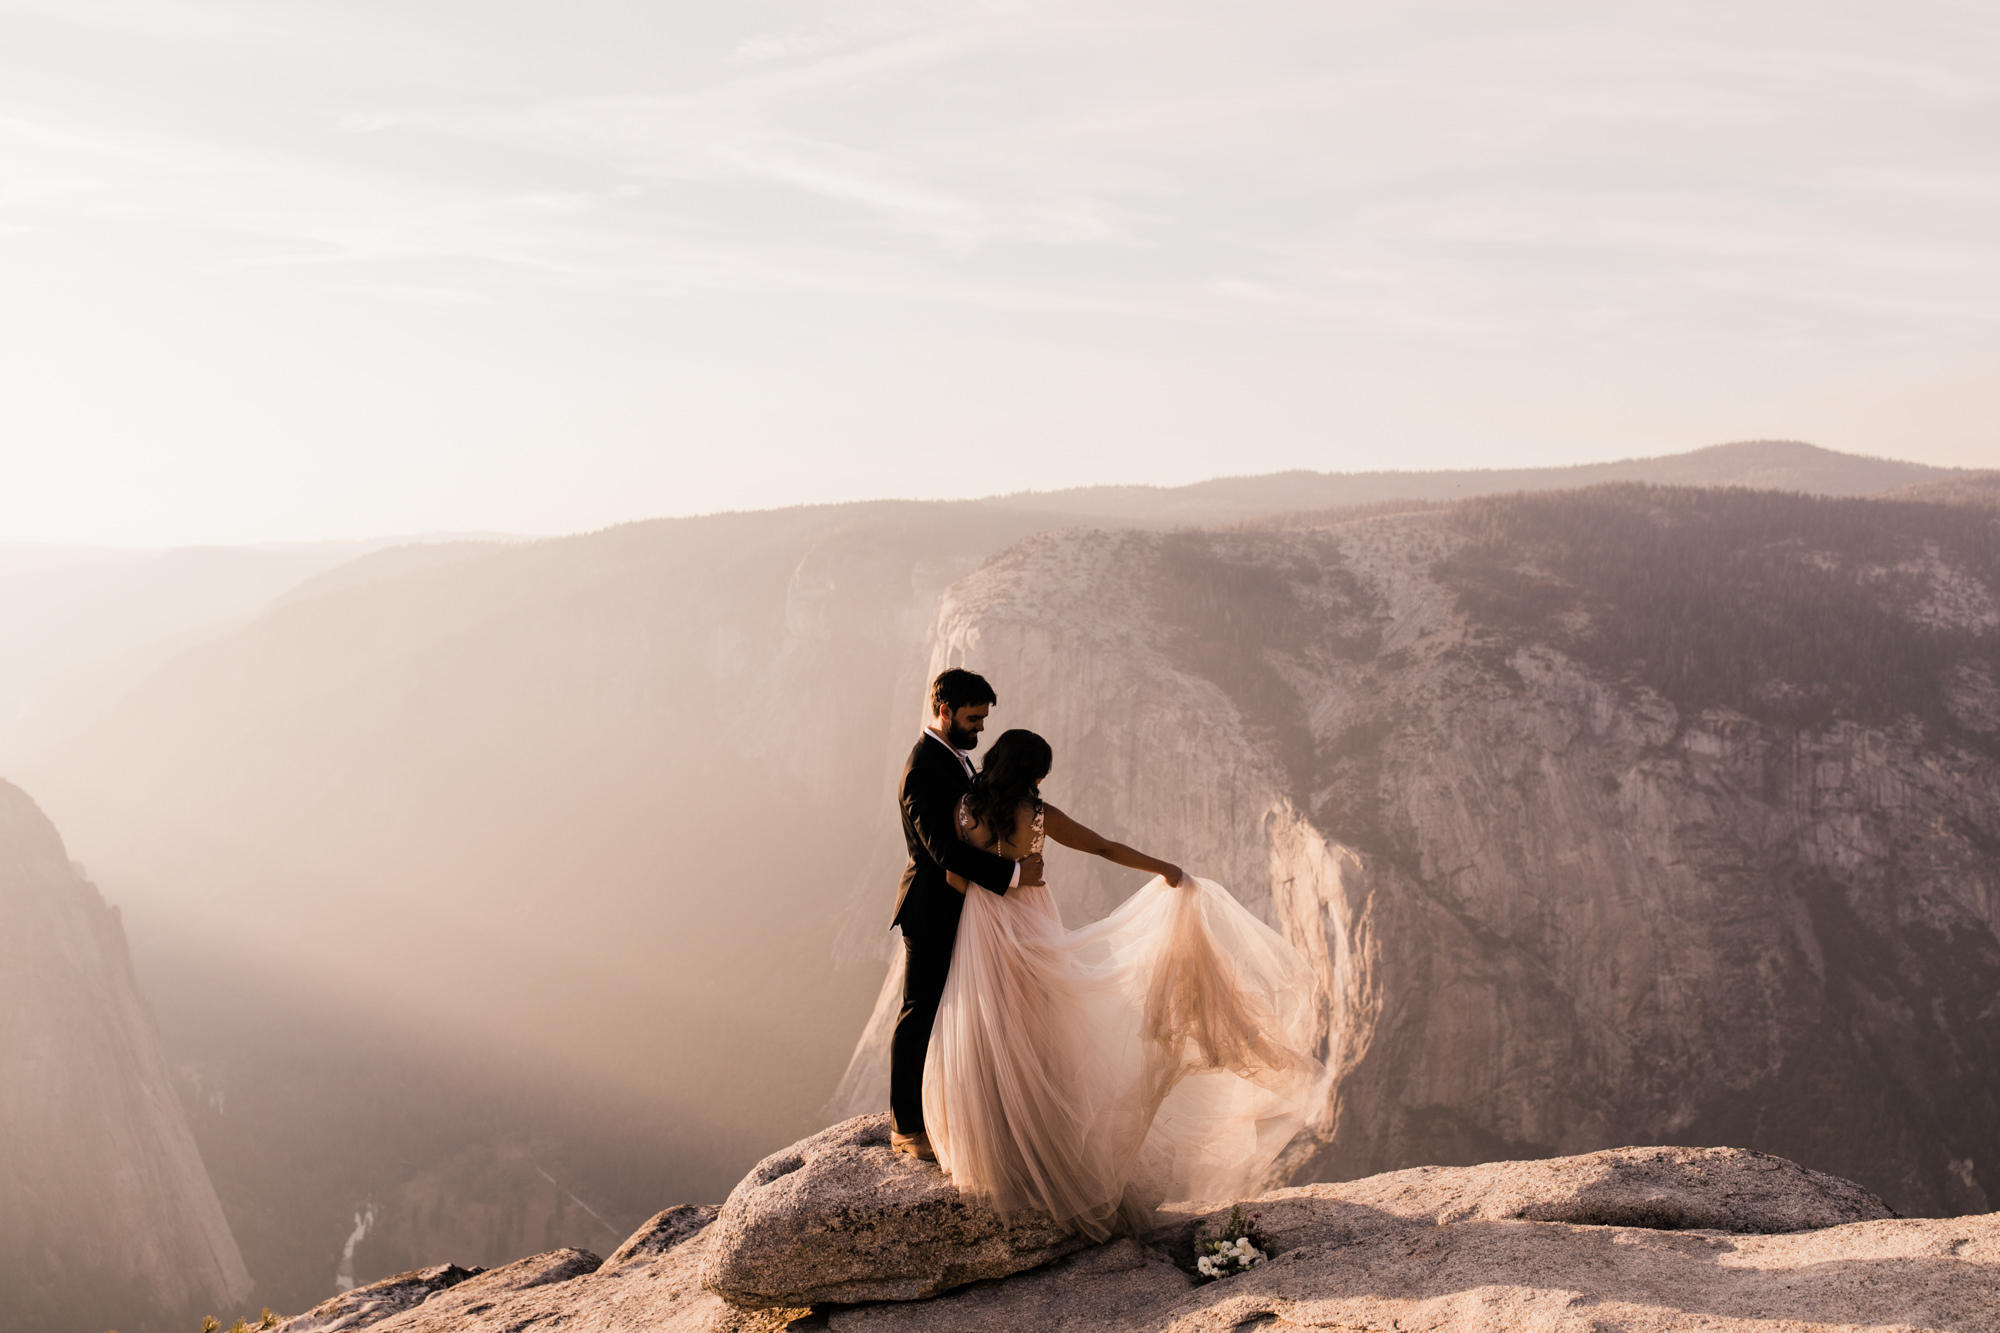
pixel 1013 773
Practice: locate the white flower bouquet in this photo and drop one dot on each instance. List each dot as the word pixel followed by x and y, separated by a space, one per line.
pixel 1238 1250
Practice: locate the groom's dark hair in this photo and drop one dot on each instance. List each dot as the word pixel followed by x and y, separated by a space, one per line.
pixel 959 688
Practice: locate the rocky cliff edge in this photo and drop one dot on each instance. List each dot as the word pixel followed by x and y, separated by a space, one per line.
pixel 839 1233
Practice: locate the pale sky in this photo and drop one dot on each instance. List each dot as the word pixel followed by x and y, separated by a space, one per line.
pixel 273 270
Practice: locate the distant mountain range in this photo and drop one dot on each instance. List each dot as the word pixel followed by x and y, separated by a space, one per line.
pixel 82 625
pixel 1774 465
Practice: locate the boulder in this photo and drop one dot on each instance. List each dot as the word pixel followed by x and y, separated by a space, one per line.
pixel 663 1231
pixel 378 1301
pixel 1661 1189
pixel 651 1285
pixel 840 1217
pixel 446 1293
pixel 489 1290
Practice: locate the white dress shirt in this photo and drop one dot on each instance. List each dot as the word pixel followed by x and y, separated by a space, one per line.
pixel 965 762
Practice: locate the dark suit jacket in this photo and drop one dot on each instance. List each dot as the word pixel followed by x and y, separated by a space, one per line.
pixel 932 784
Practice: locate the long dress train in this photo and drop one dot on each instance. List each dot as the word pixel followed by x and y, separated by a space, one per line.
pixel 1159 1054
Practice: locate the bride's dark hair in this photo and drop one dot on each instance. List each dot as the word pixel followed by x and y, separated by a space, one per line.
pixel 1013 773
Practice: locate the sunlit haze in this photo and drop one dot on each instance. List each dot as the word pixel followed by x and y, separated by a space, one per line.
pixel 301 272
pixel 1479 523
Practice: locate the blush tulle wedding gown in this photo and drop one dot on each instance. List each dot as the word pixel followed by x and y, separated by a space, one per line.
pixel 1161 1054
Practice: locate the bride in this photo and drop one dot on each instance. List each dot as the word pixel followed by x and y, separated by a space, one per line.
pixel 1161 1053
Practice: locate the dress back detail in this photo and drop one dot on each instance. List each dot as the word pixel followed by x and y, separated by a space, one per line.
pixel 1013 845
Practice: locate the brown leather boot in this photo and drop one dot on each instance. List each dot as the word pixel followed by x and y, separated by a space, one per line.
pixel 917 1145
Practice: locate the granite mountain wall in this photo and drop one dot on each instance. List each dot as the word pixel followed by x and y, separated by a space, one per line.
pixel 1599 815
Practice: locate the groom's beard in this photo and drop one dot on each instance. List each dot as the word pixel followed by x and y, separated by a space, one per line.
pixel 961 739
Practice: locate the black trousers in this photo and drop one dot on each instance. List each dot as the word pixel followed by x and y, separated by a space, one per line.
pixel 926 964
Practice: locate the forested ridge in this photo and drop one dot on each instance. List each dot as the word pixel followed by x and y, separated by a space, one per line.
pixel 1785 607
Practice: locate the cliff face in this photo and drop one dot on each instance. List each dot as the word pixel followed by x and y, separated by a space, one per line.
pixel 107 1217
pixel 1578 863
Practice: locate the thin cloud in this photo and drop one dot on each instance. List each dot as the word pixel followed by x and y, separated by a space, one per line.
pixel 1295 186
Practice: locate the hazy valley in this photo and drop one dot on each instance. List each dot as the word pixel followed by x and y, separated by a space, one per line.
pixel 492 897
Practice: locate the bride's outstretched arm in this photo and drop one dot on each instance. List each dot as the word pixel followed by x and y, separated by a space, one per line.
pixel 1072 834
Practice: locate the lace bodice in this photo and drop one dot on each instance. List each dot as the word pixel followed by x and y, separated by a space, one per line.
pixel 968 829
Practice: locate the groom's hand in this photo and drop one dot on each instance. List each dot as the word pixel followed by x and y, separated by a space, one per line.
pixel 1031 870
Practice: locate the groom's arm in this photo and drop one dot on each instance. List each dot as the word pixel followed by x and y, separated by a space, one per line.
pixel 931 808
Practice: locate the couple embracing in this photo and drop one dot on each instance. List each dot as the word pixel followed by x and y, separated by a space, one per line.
pixel 1159 1054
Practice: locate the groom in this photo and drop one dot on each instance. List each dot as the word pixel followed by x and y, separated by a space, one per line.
pixel 927 908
